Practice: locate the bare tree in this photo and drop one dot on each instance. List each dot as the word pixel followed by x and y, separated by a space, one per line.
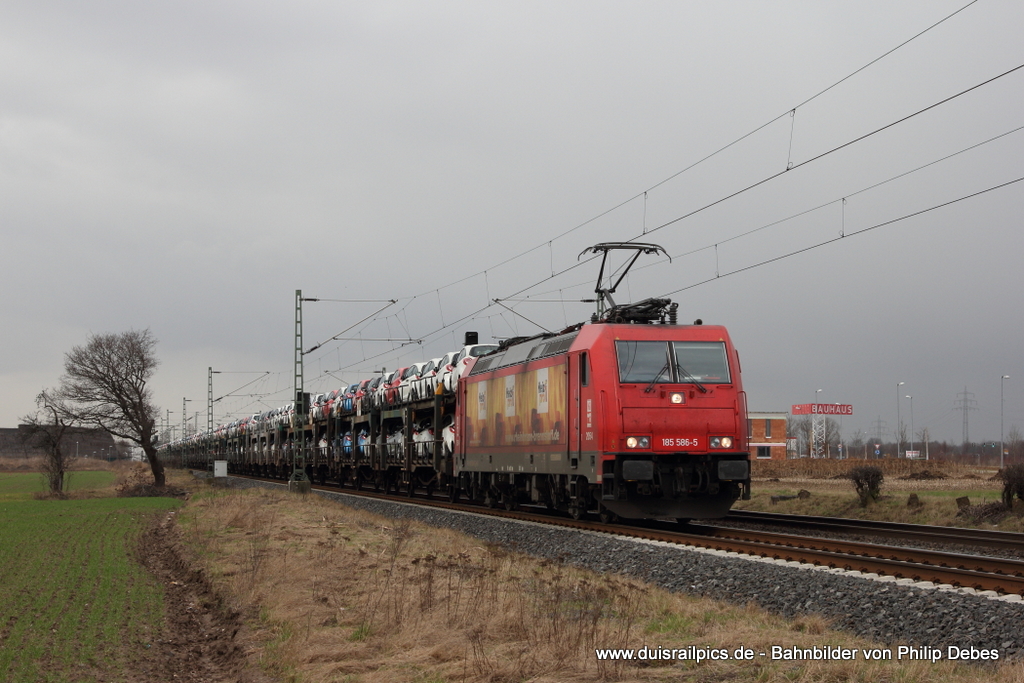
pixel 105 384
pixel 1015 444
pixel 800 428
pixel 903 442
pixel 857 446
pixel 832 435
pixel 45 430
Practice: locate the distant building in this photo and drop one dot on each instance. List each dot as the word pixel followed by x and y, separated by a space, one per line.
pixel 766 435
pixel 86 443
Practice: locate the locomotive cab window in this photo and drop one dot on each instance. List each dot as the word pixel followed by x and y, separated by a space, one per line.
pixel 584 371
pixel 704 362
pixel 642 361
pixel 676 362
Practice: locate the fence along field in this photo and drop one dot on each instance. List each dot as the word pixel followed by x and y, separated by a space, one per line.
pixel 75 604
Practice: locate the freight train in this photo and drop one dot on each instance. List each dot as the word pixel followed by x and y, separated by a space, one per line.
pixel 630 415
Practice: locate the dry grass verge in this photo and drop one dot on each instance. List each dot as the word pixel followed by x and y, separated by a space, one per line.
pixel 827 468
pixel 936 484
pixel 335 594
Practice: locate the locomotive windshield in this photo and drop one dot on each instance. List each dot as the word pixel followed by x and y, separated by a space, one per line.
pixel 675 362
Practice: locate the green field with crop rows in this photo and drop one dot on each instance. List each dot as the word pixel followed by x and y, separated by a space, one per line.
pixel 74 605
pixel 21 485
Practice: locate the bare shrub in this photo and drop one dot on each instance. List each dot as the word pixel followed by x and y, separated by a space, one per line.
pixel 1012 477
pixel 135 482
pixel 867 480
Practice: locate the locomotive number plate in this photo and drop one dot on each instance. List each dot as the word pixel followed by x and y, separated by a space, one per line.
pixel 680 442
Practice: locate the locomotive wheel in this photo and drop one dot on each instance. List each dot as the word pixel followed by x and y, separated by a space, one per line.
pixel 575 511
pixel 607 516
pixel 508 501
pixel 453 492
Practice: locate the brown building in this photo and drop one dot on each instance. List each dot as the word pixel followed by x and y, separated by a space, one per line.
pixel 766 434
pixel 86 443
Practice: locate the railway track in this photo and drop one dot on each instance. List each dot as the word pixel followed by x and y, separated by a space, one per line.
pixel 1002 540
pixel 945 568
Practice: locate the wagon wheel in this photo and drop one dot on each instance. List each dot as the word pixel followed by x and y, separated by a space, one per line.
pixel 410 490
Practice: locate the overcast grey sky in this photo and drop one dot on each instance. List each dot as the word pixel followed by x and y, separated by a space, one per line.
pixel 187 166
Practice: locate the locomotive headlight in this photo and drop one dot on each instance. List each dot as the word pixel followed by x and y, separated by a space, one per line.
pixel 676 398
pixel 726 442
pixel 721 442
pixel 638 442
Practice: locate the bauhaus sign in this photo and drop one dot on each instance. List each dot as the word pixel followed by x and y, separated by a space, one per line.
pixel 822 409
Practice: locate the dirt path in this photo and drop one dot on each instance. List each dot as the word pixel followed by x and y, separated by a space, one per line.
pixel 202 639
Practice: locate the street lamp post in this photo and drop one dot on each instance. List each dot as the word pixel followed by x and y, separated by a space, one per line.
pixel 911 422
pixel 899 440
pixel 841 435
pixel 1004 377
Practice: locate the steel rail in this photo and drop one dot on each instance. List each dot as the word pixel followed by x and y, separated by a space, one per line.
pixel 944 535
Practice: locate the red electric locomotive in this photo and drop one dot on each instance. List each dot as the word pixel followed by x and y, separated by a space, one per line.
pixel 626 419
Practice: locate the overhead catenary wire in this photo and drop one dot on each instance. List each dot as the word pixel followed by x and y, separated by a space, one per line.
pixel 645 230
pixel 783 172
pixel 851 234
pixel 835 149
pixel 511 310
pixel 844 199
pixel 760 263
pixel 232 392
pixel 790 166
pixel 390 302
pixel 710 156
